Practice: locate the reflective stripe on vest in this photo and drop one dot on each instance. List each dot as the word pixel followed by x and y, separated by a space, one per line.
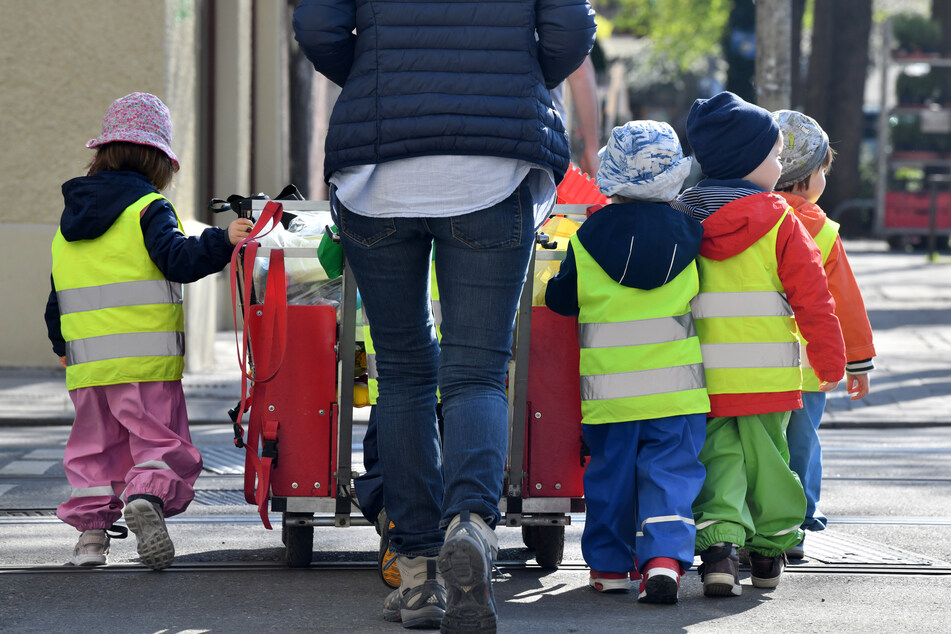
pixel 76 300
pixel 751 304
pixel 748 337
pixel 750 355
pixel 825 240
pixel 640 355
pixel 617 385
pixel 637 332
pixel 122 321
pixel 145 344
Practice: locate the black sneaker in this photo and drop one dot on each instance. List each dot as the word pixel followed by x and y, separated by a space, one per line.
pixel 720 571
pixel 418 607
pixel 465 562
pixel 766 571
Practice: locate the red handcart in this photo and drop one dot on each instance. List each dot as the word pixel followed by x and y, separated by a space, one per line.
pixel 297 367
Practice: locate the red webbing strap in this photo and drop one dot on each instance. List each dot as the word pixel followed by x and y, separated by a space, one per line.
pixel 273 337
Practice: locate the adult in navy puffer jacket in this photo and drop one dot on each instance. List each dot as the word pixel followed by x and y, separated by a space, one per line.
pixel 443 149
pixel 421 87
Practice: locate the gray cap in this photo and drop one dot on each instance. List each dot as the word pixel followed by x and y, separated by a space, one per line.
pixel 805 145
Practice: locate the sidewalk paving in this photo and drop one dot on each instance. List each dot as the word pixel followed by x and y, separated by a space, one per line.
pixel 908 301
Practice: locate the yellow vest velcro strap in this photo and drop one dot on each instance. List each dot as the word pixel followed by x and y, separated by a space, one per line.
pixel 91 492
pixel 744 304
pixel 145 344
pixel 718 356
pixel 637 332
pixel 595 387
pixel 138 293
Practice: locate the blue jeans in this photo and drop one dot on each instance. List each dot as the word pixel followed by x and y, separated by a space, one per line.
pixel 481 259
pixel 805 454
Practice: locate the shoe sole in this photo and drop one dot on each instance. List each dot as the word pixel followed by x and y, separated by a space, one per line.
pixel 659 589
pixel 428 618
pixel 719 584
pixel 610 585
pixel 470 606
pixel 88 560
pixel 759 582
pixel 154 546
pixel 386 559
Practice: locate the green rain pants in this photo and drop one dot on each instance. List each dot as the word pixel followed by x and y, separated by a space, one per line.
pixel 750 496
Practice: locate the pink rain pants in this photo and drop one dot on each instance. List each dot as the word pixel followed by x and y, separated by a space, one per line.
pixel 128 439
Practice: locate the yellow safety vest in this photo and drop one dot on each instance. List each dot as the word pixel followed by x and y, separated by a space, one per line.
pixel 121 319
pixel 640 355
pixel 747 331
pixel 825 239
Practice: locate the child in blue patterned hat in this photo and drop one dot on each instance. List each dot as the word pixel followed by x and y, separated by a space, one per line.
pixel 629 276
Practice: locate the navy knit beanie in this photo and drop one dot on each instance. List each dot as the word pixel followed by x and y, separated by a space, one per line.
pixel 729 136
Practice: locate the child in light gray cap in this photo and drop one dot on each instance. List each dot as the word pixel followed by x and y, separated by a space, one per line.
pixel 805 159
pixel 629 276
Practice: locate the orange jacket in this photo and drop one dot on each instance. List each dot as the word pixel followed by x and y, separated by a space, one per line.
pixel 849 306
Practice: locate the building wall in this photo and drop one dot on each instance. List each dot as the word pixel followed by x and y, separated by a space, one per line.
pixel 61 65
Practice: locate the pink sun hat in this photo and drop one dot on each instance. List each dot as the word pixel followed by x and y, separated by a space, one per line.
pixel 139 118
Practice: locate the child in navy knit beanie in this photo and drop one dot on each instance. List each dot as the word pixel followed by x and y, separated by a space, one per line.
pixel 730 137
pixel 760 275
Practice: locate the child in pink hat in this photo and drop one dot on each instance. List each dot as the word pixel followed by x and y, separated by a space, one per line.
pixel 115 319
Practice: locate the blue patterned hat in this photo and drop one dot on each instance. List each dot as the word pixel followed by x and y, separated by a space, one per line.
pixel 643 160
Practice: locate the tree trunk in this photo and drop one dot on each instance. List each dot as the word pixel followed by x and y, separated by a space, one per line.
pixel 835 90
pixel 795 55
pixel 773 27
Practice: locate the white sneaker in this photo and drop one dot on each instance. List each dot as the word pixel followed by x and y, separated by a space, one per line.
pixel 91 549
pixel 147 521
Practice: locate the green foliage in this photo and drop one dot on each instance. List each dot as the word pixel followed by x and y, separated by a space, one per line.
pixel 916 33
pixel 682 31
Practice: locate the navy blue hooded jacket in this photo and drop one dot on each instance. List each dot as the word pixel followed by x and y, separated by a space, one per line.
pixel 93 203
pixel 639 245
pixel 426 77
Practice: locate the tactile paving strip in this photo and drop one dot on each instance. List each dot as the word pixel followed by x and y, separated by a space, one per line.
pixel 832 549
pixel 219 498
pixel 223 460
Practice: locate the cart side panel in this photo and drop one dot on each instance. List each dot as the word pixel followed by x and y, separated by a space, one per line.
pixel 553 460
pixel 302 394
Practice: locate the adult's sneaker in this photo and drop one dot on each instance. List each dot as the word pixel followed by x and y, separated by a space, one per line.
pixel 720 571
pixel 465 563
pixel 420 601
pixel 386 558
pixel 610 581
pixel 765 571
pixel 144 517
pixel 660 581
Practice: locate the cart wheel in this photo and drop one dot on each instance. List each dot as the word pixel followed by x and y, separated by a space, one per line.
pixel 528 537
pixel 298 542
pixel 549 542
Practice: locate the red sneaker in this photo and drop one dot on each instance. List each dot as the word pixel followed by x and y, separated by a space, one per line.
pixel 610 581
pixel 661 581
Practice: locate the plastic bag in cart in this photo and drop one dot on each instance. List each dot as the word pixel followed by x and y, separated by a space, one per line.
pixel 308 283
